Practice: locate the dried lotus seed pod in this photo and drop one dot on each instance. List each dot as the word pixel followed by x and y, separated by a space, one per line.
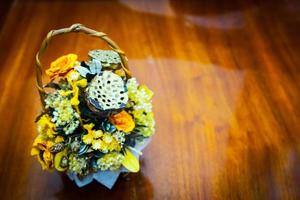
pixel 108 58
pixel 107 92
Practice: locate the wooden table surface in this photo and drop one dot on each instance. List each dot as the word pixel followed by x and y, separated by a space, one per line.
pixel 226 77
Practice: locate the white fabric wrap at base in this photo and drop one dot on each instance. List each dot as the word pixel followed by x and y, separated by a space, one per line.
pixel 107 178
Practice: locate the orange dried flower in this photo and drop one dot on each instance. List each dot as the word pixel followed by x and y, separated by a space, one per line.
pixel 123 121
pixel 61 66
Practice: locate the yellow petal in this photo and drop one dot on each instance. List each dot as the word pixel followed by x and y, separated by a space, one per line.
pixel 57 159
pixel 120 72
pixel 96 144
pixel 34 151
pixel 43 164
pixel 41 146
pixel 38 140
pixel 88 127
pixel 65 93
pixel 107 138
pixel 130 162
pixel 97 134
pixel 82 83
pixel 74 100
pixel 88 138
pixel 58 139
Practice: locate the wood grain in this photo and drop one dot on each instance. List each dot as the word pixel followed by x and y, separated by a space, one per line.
pixel 226 76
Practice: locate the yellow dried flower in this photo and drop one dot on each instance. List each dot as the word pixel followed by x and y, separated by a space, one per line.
pixel 110 161
pixel 46 127
pixel 97 134
pixel 41 149
pixel 107 138
pixel 58 139
pixel 88 138
pixel 97 144
pixel 104 142
pixel 73 80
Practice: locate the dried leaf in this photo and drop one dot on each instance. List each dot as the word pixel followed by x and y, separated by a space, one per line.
pixel 82 70
pixel 57 161
pixel 95 66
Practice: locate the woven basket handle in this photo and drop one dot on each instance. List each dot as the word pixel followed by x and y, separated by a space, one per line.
pixel 74 28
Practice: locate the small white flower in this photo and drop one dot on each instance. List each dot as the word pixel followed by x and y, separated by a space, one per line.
pixel 74 76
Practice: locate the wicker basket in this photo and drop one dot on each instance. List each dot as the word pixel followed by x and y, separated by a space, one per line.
pixel 98 127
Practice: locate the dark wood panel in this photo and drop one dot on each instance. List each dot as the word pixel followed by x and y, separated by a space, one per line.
pixel 226 77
